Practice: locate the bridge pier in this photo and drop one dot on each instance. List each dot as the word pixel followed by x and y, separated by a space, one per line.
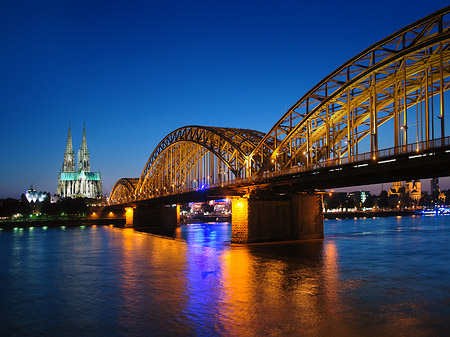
pixel 129 214
pixel 156 216
pixel 292 217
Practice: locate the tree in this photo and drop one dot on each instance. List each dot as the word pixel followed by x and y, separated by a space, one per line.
pixel 9 206
pixel 75 206
pixel 331 202
pixel 349 203
pixel 370 201
pixel 383 200
pixel 425 200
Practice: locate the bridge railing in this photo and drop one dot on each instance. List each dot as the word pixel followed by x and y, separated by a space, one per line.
pixel 364 158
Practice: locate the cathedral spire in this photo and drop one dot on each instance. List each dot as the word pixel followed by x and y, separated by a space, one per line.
pixel 69 155
pixel 69 147
pixel 84 143
pixel 80 181
pixel 83 154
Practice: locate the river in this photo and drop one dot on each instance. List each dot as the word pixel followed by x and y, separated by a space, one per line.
pixel 368 277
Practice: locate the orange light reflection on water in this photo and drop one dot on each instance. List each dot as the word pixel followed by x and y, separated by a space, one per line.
pixel 159 261
pixel 275 289
pixel 235 294
pixel 259 291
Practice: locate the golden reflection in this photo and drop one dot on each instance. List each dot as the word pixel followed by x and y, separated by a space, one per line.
pixel 236 295
pixel 147 259
pixel 262 285
pixel 331 275
pixel 313 288
pixel 130 239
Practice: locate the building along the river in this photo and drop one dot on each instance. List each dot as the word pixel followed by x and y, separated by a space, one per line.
pixel 81 182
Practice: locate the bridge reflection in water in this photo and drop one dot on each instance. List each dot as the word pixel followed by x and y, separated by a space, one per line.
pixel 367 277
pixel 380 117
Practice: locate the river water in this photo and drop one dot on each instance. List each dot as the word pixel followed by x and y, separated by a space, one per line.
pixel 368 277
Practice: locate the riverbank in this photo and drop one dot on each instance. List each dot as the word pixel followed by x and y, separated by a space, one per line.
pixel 369 214
pixel 74 222
pixel 58 222
pixel 199 218
pixel 331 215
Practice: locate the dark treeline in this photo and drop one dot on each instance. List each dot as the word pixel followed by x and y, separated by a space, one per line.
pixel 67 206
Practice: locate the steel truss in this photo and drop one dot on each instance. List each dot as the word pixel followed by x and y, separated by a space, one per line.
pixel 382 83
pixel 123 190
pixel 391 95
pixel 196 157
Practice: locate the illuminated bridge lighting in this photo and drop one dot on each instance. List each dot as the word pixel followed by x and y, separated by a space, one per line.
pixel 386 89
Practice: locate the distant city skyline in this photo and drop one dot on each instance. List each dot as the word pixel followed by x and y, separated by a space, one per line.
pixel 377 188
pixel 133 71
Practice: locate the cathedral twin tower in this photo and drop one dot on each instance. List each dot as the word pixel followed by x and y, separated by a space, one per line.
pixel 79 182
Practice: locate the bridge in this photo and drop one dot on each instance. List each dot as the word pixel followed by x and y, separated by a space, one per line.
pixel 379 117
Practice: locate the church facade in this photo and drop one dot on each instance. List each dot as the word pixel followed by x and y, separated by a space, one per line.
pixel 411 189
pixel 80 181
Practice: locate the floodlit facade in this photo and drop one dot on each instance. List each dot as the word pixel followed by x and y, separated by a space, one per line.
pixel 80 182
pixel 411 189
pixel 34 196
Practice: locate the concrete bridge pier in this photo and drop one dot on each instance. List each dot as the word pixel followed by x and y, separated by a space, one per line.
pixel 153 216
pixel 291 217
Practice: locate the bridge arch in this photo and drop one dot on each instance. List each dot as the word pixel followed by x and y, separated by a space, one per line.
pixel 123 190
pixel 391 95
pixel 341 116
pixel 194 157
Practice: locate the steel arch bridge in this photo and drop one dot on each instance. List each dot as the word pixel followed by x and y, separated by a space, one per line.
pixel 391 95
pixel 124 190
pixel 194 157
pixel 191 158
pixel 381 84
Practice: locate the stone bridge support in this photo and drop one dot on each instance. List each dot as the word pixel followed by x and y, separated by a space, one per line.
pixel 292 217
pixel 129 215
pixel 155 216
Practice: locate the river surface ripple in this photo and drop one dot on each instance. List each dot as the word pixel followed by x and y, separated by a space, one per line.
pixel 368 277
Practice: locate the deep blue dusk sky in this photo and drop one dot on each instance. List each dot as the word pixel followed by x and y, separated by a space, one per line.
pixel 133 71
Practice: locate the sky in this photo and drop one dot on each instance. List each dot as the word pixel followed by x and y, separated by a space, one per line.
pixel 133 71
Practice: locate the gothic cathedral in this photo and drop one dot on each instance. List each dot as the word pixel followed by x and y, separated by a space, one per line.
pixel 79 182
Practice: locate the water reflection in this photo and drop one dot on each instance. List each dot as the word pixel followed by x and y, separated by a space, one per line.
pixel 368 277
pixel 275 289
